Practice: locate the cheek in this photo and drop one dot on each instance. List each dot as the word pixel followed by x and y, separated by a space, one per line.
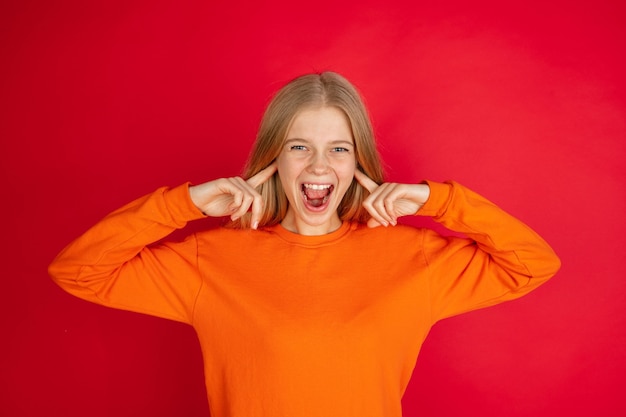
pixel 282 167
pixel 345 169
pixel 287 171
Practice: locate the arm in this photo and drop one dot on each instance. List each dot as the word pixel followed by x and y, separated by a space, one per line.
pixel 501 258
pixel 113 265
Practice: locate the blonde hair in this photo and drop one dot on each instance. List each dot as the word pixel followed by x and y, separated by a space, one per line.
pixel 312 90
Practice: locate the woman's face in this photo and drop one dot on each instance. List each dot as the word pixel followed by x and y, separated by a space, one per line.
pixel 316 166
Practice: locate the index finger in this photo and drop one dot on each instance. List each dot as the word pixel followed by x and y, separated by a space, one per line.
pixel 262 176
pixel 365 181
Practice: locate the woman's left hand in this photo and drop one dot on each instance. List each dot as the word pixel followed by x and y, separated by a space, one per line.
pixel 389 201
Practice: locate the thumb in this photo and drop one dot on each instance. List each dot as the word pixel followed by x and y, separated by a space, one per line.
pixel 372 223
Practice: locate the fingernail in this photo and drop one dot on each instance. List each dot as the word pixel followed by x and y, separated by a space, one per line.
pixel 255 225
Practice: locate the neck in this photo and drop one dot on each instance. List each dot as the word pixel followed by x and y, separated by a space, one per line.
pixel 301 227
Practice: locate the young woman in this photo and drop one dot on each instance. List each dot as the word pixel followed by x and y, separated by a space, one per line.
pixel 313 300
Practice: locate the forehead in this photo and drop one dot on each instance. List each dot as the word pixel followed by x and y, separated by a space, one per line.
pixel 324 122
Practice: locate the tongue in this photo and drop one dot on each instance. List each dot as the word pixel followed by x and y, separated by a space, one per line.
pixel 316 197
pixel 316 194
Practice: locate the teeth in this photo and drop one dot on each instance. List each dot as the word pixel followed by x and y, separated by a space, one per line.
pixel 317 186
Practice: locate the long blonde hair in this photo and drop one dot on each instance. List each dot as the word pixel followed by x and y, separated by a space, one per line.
pixel 312 90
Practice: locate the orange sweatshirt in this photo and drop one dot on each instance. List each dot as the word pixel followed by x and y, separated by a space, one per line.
pixel 299 326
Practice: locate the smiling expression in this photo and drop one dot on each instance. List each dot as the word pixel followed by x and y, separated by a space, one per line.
pixel 316 167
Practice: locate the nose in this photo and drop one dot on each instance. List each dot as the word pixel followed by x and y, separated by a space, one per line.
pixel 319 164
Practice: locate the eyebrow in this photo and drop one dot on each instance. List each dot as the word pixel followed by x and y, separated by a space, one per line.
pixel 333 142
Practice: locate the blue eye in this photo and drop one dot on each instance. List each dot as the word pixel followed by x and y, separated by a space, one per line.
pixel 340 149
pixel 298 148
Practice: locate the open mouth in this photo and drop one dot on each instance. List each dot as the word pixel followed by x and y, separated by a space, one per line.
pixel 317 195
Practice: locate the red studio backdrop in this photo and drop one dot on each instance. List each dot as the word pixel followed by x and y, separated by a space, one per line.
pixel 104 101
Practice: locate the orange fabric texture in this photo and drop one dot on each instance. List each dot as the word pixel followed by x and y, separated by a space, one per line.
pixel 293 325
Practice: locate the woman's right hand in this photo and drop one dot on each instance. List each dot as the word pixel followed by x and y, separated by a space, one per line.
pixel 232 196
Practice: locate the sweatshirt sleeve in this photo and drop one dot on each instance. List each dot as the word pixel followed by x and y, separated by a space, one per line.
pixel 116 264
pixel 501 259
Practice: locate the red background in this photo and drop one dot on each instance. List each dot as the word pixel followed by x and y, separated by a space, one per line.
pixel 104 101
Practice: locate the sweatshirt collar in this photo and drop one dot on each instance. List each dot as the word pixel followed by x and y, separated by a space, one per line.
pixel 312 241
